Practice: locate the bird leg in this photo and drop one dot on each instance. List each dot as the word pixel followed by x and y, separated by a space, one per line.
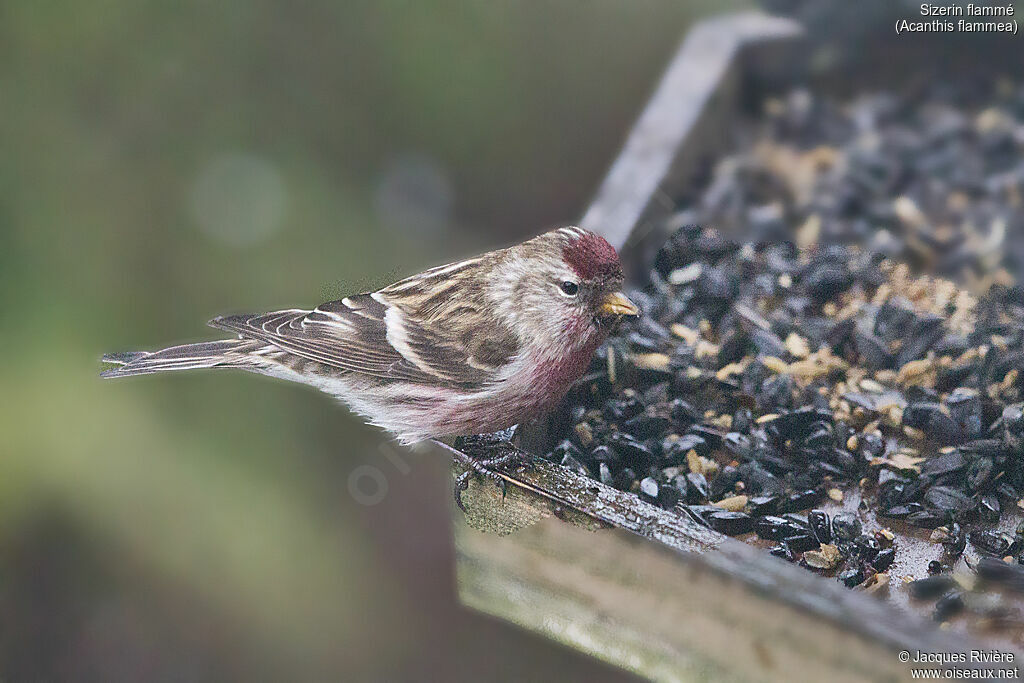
pixel 484 455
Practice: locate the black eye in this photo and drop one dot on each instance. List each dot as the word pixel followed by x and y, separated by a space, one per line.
pixel 569 288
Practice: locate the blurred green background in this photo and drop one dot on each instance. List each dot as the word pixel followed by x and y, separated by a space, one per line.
pixel 166 162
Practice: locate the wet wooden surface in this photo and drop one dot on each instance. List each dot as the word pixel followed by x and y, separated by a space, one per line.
pixel 653 592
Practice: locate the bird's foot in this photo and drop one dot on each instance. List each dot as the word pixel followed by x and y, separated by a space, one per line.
pixel 485 454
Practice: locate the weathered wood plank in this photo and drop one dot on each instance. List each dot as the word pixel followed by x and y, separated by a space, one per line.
pixel 635 604
pixel 545 488
pixel 819 614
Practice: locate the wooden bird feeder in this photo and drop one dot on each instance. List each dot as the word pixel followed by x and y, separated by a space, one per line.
pixel 644 588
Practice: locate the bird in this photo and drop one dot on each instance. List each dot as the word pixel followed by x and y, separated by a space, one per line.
pixel 468 348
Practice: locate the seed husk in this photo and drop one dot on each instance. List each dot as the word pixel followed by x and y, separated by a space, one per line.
pixel 825 557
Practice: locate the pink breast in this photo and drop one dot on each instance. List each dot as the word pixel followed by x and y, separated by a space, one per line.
pixel 556 375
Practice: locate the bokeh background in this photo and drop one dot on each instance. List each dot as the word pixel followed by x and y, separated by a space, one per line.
pixel 166 162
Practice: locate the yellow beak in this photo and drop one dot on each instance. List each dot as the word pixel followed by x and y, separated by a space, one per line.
pixel 617 304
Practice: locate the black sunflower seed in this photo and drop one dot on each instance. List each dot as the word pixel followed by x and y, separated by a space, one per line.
pixel 883 560
pixel 851 577
pixel 946 463
pixel 990 541
pixel 866 547
pixel 763 505
pixel 948 499
pixel 928 519
pixel 989 509
pixel 956 541
pixel 776 528
pixel 845 526
pixel 821 526
pixel 949 605
pixel 633 452
pixel 930 587
pixel 801 542
pixel 696 488
pixel 730 523
pixel 997 571
pixel 801 500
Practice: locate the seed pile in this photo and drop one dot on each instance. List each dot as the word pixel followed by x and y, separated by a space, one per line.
pixel 851 328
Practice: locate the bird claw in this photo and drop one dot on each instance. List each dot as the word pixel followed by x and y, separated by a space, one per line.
pixel 461 484
pixel 502 486
pixel 483 456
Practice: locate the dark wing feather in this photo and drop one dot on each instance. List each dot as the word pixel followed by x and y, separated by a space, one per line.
pixel 352 334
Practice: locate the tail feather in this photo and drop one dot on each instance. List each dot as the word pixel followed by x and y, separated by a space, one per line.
pixel 212 354
pixel 124 357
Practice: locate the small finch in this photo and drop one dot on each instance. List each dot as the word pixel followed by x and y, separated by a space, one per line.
pixel 467 348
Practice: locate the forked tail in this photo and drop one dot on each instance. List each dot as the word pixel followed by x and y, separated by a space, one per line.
pixel 212 354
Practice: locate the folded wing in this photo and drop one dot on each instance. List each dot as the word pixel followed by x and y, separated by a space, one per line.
pixel 367 334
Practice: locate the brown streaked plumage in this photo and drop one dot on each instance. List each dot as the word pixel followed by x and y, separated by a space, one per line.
pixel 465 348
